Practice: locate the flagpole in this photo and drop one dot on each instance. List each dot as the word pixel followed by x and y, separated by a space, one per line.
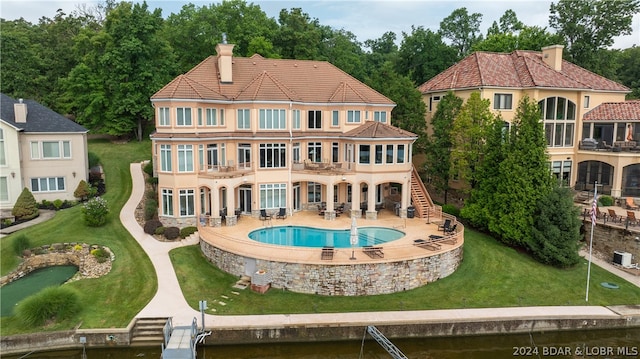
pixel 594 207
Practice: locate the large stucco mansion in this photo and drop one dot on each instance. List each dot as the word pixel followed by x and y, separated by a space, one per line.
pixel 235 136
pixel 576 105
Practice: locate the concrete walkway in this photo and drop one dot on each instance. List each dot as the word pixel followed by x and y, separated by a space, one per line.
pixel 169 301
pixel 45 215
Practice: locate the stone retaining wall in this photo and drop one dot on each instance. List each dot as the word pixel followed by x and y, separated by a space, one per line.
pixel 609 238
pixel 62 254
pixel 341 279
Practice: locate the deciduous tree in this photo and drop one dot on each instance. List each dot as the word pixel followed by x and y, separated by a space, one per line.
pixel 441 141
pixel 589 26
pixel 462 29
pixel 423 54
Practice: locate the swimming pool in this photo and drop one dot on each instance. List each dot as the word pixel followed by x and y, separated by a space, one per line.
pixel 299 236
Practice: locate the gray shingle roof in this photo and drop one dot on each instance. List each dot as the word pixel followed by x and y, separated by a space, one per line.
pixel 39 118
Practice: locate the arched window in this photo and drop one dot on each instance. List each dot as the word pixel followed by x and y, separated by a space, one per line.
pixel 559 116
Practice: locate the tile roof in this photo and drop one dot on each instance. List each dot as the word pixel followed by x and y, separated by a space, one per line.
pixel 519 69
pixel 615 111
pixel 373 129
pixel 260 79
pixel 40 119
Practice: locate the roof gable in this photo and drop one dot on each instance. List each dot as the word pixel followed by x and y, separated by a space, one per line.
pixel 40 119
pixel 519 69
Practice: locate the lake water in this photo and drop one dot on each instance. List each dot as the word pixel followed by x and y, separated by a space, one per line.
pixel 619 343
pixel 32 283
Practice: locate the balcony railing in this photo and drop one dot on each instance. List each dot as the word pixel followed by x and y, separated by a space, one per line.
pixel 603 146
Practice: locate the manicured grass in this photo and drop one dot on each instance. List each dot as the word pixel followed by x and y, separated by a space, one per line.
pixel 491 275
pixel 113 300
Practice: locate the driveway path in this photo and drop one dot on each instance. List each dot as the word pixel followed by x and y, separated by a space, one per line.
pixel 169 301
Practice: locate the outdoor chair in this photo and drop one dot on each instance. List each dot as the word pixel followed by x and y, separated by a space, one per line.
pixel 614 217
pixel 631 204
pixel 430 244
pixel 282 213
pixel 327 253
pixel 373 252
pixel 445 226
pixel 631 218
pixel 264 216
pixel 451 229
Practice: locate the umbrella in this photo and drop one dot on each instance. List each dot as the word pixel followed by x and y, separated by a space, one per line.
pixel 354 236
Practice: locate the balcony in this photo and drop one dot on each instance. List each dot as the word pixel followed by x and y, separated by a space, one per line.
pixel 590 144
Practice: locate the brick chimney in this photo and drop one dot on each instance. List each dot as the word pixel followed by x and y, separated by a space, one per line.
pixel 20 110
pixel 552 56
pixel 225 60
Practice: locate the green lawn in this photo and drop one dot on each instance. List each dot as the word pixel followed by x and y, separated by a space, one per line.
pixel 491 275
pixel 113 300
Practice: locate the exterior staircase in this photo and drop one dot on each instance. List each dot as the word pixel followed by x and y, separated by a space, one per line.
pixel 148 332
pixel 425 208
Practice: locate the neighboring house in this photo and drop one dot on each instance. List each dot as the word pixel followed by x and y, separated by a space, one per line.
pixel 40 150
pixel 239 135
pixel 575 103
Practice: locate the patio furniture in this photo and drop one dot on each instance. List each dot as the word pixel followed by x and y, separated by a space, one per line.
pixel 614 216
pixel 327 253
pixel 264 216
pixel 282 213
pixel 451 229
pixel 424 244
pixel 631 218
pixel 373 252
pixel 445 226
pixel 631 204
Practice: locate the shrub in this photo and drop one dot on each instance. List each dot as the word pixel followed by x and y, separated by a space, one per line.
pixel 57 204
pixel 187 231
pixel 451 209
pixel 20 244
pixel 160 230
pixel 82 192
pixel 26 206
pixel 150 209
pixel 171 233
pixel 605 201
pixel 53 303
pixel 151 225
pixel 95 212
pixel 148 168
pixel 101 254
pixel 93 158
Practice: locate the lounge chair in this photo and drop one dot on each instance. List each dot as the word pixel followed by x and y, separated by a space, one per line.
pixel 430 244
pixel 264 216
pixel 631 204
pixel 373 252
pixel 445 226
pixel 327 253
pixel 631 218
pixel 282 213
pixel 614 217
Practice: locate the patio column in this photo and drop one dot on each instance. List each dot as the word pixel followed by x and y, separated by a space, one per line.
pixel 329 212
pixel 355 200
pixel 216 220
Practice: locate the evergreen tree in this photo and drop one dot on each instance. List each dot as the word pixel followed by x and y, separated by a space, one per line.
pixel 556 230
pixel 524 177
pixel 439 151
pixel 482 204
pixel 82 191
pixel 26 206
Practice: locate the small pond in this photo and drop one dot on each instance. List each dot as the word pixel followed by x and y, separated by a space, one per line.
pixel 32 283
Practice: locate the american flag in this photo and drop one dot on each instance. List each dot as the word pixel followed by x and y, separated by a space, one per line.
pixel 594 209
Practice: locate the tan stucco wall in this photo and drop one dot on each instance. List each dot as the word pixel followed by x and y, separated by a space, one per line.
pixel 11 171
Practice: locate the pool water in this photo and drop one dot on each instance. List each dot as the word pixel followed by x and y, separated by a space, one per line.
pixel 32 283
pixel 299 236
